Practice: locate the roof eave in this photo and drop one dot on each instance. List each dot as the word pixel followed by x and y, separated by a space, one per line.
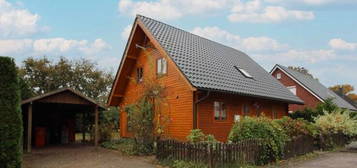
pixel 255 96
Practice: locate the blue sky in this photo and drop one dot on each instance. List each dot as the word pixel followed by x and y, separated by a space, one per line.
pixel 317 34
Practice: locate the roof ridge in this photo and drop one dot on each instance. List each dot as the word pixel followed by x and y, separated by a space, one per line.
pixel 138 16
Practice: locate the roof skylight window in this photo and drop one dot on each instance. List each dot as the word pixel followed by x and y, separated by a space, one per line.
pixel 244 72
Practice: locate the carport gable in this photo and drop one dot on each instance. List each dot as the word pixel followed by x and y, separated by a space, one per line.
pixel 65 96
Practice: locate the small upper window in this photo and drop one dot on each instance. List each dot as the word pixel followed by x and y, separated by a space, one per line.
pixel 220 112
pixel 244 72
pixel 292 89
pixel 278 76
pixel 139 75
pixel 161 68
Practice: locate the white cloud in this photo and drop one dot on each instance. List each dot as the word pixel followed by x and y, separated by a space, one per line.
pixel 97 46
pixel 170 9
pixel 51 46
pixel 265 49
pixel 341 44
pixel 126 32
pixel 17 22
pixel 309 56
pixel 254 11
pixel 233 40
pixel 262 43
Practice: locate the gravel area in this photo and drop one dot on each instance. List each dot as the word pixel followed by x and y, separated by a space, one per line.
pixel 79 156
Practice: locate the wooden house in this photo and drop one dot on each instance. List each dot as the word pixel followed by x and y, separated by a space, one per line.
pixel 209 86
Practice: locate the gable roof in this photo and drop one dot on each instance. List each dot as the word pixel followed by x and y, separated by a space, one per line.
pixel 314 87
pixel 56 92
pixel 211 66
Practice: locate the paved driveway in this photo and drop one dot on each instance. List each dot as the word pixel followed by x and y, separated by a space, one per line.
pixel 76 156
pixel 328 160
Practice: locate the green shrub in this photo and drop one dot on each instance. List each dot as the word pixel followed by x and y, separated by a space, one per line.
pixel 339 121
pixel 125 145
pixel 110 145
pixel 10 115
pixel 196 135
pixel 309 114
pixel 271 134
pixel 185 164
pixel 294 128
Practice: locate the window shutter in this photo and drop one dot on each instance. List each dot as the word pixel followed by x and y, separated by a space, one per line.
pixel 158 65
pixel 164 66
pixel 216 110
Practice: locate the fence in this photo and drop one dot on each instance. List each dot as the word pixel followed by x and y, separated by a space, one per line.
pixel 212 154
pixel 298 146
pixel 330 141
pixel 223 154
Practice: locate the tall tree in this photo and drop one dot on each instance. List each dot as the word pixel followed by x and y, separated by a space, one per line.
pixel 10 115
pixel 302 70
pixel 43 75
pixel 346 89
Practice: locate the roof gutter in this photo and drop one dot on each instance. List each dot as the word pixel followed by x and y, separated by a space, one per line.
pixel 254 96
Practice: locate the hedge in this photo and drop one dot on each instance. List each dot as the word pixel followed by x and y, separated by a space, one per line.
pixel 10 116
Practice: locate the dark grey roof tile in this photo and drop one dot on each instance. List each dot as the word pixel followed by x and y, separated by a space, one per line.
pixel 210 65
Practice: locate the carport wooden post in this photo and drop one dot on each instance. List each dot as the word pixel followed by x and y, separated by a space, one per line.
pixel 29 127
pixel 96 126
pixel 83 128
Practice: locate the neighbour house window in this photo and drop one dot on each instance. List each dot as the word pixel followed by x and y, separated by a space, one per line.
pixel 292 89
pixel 278 76
pixel 139 75
pixel 245 110
pixel 220 112
pixel 161 66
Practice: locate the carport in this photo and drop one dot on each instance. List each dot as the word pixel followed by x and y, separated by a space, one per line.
pixel 51 118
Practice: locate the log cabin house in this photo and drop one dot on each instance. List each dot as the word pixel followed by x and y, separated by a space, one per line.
pixel 209 86
pixel 308 89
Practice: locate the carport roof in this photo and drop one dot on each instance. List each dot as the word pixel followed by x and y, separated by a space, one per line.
pixel 59 91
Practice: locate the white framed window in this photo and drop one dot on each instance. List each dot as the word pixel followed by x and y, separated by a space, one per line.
pixel 278 76
pixel 220 112
pixel 292 89
pixel 161 66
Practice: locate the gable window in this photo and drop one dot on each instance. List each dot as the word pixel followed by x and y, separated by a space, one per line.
pixel 292 89
pixel 245 110
pixel 139 75
pixel 161 66
pixel 220 112
pixel 278 76
pixel 244 72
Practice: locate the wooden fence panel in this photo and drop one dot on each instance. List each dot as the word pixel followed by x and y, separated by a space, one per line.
pixel 244 152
